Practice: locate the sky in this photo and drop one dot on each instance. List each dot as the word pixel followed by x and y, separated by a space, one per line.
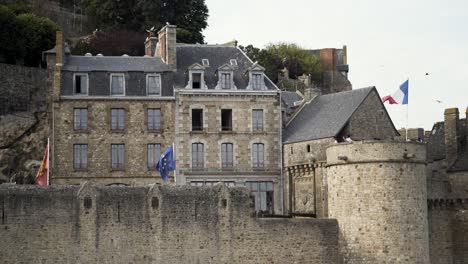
pixel 388 42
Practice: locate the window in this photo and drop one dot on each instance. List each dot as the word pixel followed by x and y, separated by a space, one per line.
pixel 117 84
pixel 154 153
pixel 225 81
pixel 197 119
pixel 257 155
pixel 80 119
pixel 226 119
pixel 118 156
pixel 153 84
pixel 154 119
pixel 308 148
pixel 80 156
pixel 233 62
pixel 197 155
pixel 263 195
pixel 117 118
pixel 80 84
pixel 205 62
pixel 257 120
pixel 196 80
pixel 257 81
pixel 227 155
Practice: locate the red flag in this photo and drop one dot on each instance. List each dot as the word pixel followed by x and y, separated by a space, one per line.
pixel 42 176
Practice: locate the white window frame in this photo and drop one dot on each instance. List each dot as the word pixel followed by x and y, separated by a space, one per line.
pixel 233 62
pixel 232 163
pixel 158 76
pixel 110 83
pixel 207 64
pixel 263 120
pixel 74 83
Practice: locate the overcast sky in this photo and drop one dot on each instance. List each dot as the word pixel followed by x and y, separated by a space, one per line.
pixel 388 41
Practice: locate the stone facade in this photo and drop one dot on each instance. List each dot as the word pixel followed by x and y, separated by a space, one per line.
pixel 242 136
pixel 153 224
pixel 99 138
pixel 377 192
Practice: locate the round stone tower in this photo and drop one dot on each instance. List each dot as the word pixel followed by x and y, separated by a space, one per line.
pixel 377 192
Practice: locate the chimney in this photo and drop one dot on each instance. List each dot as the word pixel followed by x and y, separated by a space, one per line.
pixel 452 142
pixel 59 53
pixel 345 55
pixel 310 93
pixel 150 45
pixel 166 48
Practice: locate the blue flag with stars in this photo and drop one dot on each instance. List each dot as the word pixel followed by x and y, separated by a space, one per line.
pixel 166 163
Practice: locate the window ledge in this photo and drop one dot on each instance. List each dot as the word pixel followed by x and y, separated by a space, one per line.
pixel 227 132
pixel 86 131
pixel 259 169
pixel 197 131
pixel 258 132
pixel 118 131
pixel 154 131
pixel 80 170
pixel 118 170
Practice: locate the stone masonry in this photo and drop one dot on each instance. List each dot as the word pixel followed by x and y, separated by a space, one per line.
pixel 153 224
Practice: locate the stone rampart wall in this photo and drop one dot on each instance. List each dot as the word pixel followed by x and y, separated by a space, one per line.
pixel 160 224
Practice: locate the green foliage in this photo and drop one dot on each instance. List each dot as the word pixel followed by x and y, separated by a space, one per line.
pixel 137 15
pixel 8 30
pixel 37 35
pixel 24 37
pixel 277 56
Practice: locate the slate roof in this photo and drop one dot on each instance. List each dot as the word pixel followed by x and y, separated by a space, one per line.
pixel 325 116
pixel 114 64
pixel 217 55
pixel 288 99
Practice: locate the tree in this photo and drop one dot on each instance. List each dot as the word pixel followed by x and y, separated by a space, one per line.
pixel 25 36
pixel 9 40
pixel 137 15
pixel 37 34
pixel 277 56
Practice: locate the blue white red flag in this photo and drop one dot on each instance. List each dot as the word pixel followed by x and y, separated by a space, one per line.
pixel 398 97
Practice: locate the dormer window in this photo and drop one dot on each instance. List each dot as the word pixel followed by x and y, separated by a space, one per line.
pixel 196 77
pixel 117 83
pixel 256 77
pixel 225 77
pixel 80 84
pixel 225 81
pixel 196 80
pixel 153 84
pixel 257 81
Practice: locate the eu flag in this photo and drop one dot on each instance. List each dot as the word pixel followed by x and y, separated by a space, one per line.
pixel 166 163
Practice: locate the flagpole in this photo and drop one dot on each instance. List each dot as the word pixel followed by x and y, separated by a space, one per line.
pixel 48 161
pixel 173 158
pixel 407 106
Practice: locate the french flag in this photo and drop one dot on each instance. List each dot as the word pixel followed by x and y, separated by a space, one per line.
pixel 398 97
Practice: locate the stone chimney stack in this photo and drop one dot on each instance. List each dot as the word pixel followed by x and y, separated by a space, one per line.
pixel 150 44
pixel 166 48
pixel 452 141
pixel 59 54
pixel 310 93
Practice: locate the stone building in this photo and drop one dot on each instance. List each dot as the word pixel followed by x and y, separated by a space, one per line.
pixel 447 180
pixel 113 117
pixel 321 121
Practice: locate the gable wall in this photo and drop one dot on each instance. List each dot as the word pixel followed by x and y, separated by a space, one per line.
pixel 371 121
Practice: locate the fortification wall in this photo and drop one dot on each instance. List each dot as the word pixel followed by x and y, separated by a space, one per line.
pixel 377 192
pixel 160 224
pixel 448 230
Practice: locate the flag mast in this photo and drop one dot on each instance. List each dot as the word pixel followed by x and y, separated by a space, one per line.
pixel 407 106
pixel 48 159
pixel 173 158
